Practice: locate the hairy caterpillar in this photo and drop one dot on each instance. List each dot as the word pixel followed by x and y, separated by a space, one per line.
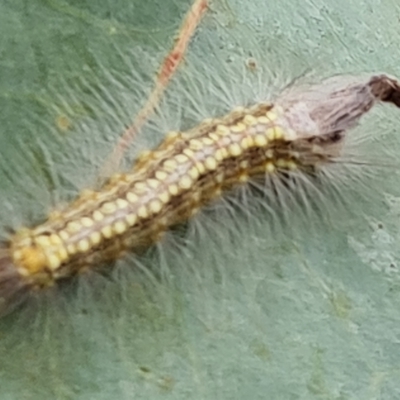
pixel 302 131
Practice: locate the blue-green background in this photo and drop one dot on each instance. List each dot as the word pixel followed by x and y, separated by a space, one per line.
pixel 308 309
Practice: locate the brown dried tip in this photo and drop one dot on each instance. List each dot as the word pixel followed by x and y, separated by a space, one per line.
pixel 13 290
pixel 385 89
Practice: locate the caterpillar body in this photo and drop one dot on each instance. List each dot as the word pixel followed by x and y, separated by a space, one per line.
pixel 301 131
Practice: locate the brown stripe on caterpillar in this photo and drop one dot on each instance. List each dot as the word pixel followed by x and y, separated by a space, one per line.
pixel 304 129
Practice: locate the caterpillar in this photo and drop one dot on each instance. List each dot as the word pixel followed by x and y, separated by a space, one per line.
pixel 302 131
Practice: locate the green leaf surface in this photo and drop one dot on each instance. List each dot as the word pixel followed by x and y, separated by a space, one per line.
pixel 239 305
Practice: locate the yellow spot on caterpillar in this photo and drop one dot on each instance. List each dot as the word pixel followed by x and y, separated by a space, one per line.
pixel 195 196
pixel 108 208
pixel 210 163
pixel 281 163
pixel 83 245
pixel 207 121
pixel 32 259
pixel 171 136
pixel 131 197
pixel 17 255
pixel 271 115
pixel 143 156
pixel 222 130
pixel 244 164
pixel 181 158
pixel 95 238
pixel 170 165
pixel 43 241
pixel 219 155
pixel 270 133
pixel 243 177
pixel 238 110
pixel 74 227
pixel 153 183
pixel 55 214
pixel 131 219
pixel 71 249
pixel 249 120
pixel 224 152
pixel 116 178
pixel 263 120
pixel 55 239
pixel 87 194
pixel 53 262
pixel 246 142
pixel 173 189
pixel 194 173
pixel 185 182
pixel 121 203
pixel 64 235
pixel 106 231
pixel 207 141
pixel 164 197
pixel 194 211
pixel 87 222
pixel 269 154
pixel 161 175
pixel 200 167
pixel 142 212
pixel 62 253
pixel 260 140
pixel 238 128
pixel 155 206
pixel 269 167
pixel 278 132
pixel 98 216
pixel 291 165
pixel 189 153
pixel 140 187
pixel 219 178
pixel 196 144
pixel 213 137
pixel 120 227
pixel 234 150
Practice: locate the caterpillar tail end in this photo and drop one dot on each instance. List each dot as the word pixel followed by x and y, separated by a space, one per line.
pixel 13 288
pixel 385 89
